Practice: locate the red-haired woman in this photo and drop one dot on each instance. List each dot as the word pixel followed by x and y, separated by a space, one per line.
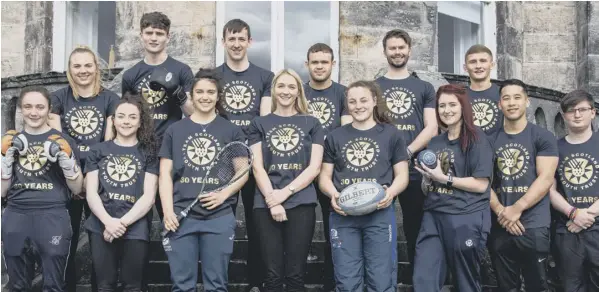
pixel 457 217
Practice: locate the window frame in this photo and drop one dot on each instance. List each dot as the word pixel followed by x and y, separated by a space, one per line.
pixel 62 33
pixel 482 13
pixel 277 37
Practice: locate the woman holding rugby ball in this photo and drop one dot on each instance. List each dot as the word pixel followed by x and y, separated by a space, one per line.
pixel 287 147
pixel 457 216
pixel 121 183
pixel 188 148
pixel 368 149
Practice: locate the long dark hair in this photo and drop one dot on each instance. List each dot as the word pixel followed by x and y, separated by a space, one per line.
pixel 381 111
pixel 213 76
pixel 468 132
pixel 146 136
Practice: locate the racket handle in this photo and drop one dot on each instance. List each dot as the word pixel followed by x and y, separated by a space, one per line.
pixel 165 232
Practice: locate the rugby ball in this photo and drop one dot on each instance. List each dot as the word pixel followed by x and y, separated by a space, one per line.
pixel 428 158
pixel 360 198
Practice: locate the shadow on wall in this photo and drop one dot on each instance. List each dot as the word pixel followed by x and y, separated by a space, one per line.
pixel 540 118
pixel 559 126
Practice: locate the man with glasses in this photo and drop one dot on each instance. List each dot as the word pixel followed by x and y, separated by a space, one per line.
pixel 574 196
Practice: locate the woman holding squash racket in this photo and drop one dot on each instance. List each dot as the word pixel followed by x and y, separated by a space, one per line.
pixel 368 149
pixel 190 148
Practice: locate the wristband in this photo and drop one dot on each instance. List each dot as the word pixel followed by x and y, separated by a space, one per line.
pixel 573 213
pixel 569 214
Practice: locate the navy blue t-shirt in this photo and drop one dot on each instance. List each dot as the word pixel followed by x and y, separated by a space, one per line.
pixel 84 119
pixel 477 162
pixel 516 169
pixel 485 106
pixel 364 155
pixel 327 105
pixel 406 99
pixel 192 147
pixel 286 151
pixel 577 176
pixel 165 110
pixel 121 176
pixel 243 92
pixel 36 182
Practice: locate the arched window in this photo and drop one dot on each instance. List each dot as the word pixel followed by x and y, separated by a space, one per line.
pixel 559 126
pixel 540 118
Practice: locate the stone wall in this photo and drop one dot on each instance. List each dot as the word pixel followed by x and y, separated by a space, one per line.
pixel 13 30
pixel 362 26
pixel 193 26
pixel 549 44
pixel 509 39
pixel 587 61
pixel 38 37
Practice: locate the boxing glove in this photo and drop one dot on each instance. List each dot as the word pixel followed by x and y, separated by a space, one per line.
pixel 12 143
pixel 162 79
pixel 56 148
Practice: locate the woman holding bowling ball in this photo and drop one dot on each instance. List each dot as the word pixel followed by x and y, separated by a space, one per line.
pixel 370 149
pixel 456 218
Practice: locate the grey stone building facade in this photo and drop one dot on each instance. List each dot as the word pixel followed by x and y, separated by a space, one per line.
pixel 552 46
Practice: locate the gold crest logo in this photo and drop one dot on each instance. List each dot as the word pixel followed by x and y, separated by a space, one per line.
pixel 84 121
pixel 201 151
pixel 322 109
pixel 485 113
pixel 578 171
pixel 34 160
pixel 121 168
pixel 361 154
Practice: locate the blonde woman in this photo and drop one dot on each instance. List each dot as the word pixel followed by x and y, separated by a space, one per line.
pixel 83 110
pixel 288 148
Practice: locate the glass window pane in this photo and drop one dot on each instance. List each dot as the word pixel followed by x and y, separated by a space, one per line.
pixel 306 23
pixel 257 16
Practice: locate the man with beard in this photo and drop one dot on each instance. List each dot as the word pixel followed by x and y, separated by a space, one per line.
pixel 525 164
pixel 483 94
pixel 411 102
pixel 246 96
pixel 327 103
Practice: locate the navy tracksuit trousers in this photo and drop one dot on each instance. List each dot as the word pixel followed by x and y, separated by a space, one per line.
pixel 210 241
pixel 363 251
pixel 454 241
pixel 36 234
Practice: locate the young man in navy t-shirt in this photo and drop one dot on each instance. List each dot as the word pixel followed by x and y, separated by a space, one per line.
pixel 574 196
pixel 525 163
pixel 411 102
pixel 327 103
pixel 246 96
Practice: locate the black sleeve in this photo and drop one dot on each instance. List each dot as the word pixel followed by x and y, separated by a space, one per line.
pixel 398 146
pixel 125 86
pixel 480 159
pixel 93 158
pixel 254 133
pixel 429 96
pixel 317 132
pixel 186 78
pixel 546 144
pixel 268 84
pixel 166 149
pixel 113 101
pixel 56 101
pixel 152 165
pixel 329 150
pixel 238 135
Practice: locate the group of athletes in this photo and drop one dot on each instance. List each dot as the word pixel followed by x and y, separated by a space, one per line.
pixel 84 149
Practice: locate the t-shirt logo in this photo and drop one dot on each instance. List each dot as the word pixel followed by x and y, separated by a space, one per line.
pixel 85 122
pixel 512 160
pixel 579 169
pixel 447 158
pixel 239 97
pixel 322 109
pixel 34 162
pixel 485 113
pixel 361 154
pixel 284 140
pixel 121 168
pixel 400 102
pixel 199 150
pixel 154 98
